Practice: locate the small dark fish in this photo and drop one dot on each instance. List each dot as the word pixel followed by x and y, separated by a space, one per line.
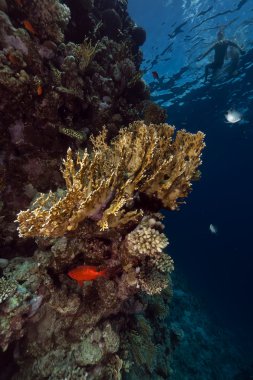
pixel 155 75
pixel 213 229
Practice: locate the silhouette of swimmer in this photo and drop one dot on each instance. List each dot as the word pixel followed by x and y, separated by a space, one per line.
pixel 220 52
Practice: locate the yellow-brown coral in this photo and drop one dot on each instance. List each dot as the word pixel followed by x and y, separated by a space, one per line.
pixel 85 53
pixel 146 241
pixel 72 133
pixel 144 262
pixel 153 282
pixel 141 159
pixel 163 262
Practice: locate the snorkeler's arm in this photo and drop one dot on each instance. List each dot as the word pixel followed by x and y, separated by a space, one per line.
pixel 207 52
pixel 231 43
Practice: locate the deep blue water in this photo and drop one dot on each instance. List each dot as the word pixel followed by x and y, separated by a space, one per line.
pixel 218 266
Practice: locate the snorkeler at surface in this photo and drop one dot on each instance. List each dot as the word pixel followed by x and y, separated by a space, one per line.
pixel 220 51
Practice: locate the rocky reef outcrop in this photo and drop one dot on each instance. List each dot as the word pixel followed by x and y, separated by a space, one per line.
pixel 56 92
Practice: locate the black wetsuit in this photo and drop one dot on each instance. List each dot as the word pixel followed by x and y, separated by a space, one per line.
pixel 234 56
pixel 220 51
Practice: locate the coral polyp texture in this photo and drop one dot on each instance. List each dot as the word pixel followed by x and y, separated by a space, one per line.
pixel 49 18
pixel 103 185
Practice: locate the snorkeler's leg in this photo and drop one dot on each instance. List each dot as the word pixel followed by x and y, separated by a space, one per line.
pixel 214 66
pixel 208 66
pixel 233 67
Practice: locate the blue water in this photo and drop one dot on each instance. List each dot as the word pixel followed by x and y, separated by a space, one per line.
pixel 218 266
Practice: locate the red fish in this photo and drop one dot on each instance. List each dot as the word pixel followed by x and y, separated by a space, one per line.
pixel 155 75
pixel 39 90
pixel 86 273
pixel 28 26
pixel 12 59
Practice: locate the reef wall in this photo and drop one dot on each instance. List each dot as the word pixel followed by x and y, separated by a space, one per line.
pixel 85 285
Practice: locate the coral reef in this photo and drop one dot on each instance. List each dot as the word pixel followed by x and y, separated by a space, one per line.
pixel 7 288
pixel 48 18
pixel 99 209
pixel 153 113
pixel 70 331
pixel 66 70
pixel 194 334
pixel 146 341
pixel 111 177
pixel 55 91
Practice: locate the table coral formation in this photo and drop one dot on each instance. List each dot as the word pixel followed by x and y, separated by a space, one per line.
pixel 101 185
pixel 67 69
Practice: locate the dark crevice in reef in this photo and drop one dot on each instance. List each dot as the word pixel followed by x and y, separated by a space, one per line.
pixel 7 363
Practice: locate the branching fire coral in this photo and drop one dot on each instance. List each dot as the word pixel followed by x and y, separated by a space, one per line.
pixel 100 185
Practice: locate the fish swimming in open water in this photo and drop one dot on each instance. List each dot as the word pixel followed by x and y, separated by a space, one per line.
pixel 213 229
pixel 155 75
pixel 233 116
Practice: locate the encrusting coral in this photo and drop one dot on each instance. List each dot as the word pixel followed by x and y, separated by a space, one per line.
pixel 7 288
pixel 47 17
pixel 101 185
